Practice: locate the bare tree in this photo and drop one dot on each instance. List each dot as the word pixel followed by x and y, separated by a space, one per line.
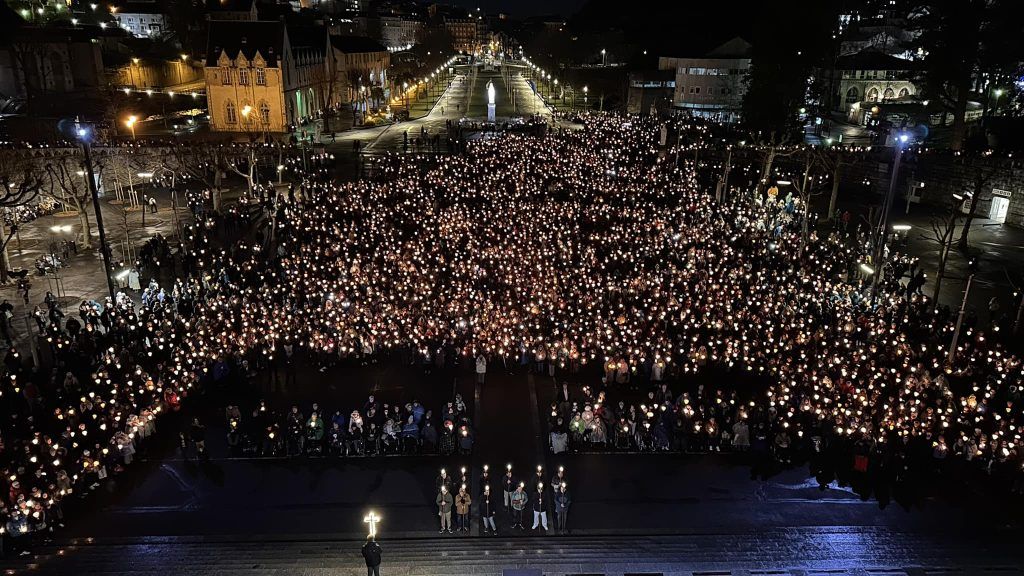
pixel 942 234
pixel 835 161
pixel 243 160
pixel 771 152
pixel 986 168
pixel 202 161
pixel 67 177
pixel 808 188
pixel 21 179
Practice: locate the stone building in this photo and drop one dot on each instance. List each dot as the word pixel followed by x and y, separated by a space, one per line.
pixel 266 77
pixel 867 78
pixel 360 65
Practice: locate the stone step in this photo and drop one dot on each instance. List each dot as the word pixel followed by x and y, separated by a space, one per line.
pixel 786 550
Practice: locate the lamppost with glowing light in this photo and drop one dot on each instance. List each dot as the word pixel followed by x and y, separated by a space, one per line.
pixel 604 54
pixel 995 103
pixel 84 134
pixel 882 232
pixel 130 122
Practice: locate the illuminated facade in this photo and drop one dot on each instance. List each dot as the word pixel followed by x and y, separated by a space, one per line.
pixel 260 81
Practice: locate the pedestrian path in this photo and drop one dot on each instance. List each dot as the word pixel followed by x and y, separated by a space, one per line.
pixel 828 550
pixel 506 427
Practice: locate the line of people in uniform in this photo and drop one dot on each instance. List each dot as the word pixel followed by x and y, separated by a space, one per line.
pixel 518 498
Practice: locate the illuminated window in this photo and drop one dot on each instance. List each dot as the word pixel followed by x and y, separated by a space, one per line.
pixel 261 77
pixel 232 113
pixel 265 112
pixel 225 74
pixel 243 76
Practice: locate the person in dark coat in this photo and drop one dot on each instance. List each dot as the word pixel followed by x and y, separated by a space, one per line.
pixel 487 507
pixel 371 553
pixel 562 502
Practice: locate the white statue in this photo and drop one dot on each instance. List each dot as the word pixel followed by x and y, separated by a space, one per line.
pixel 490 93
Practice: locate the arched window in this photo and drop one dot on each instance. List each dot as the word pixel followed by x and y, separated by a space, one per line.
pixel 904 92
pixel 232 113
pixel 265 112
pixel 852 95
pixel 873 95
pixel 889 94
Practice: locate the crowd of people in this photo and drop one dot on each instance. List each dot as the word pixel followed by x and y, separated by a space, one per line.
pixel 581 248
pixel 377 429
pixel 14 215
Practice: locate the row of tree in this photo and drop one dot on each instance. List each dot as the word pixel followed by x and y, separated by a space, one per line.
pixel 25 179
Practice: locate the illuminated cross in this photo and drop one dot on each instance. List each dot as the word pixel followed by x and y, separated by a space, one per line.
pixel 372 519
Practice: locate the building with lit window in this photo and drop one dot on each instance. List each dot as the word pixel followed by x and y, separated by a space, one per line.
pixel 360 65
pixel 868 78
pixel 711 86
pixel 266 77
pixel 400 32
pixel 141 19
pixel 466 33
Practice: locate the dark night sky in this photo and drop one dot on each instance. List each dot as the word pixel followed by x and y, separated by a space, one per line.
pixel 524 7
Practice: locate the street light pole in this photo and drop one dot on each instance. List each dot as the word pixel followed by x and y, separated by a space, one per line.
pixel 883 221
pixel 104 249
pixel 959 321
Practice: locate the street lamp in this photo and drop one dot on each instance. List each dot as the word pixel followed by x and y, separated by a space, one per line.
pixel 84 134
pixel 130 122
pixel 995 103
pixel 882 231
pixel 145 176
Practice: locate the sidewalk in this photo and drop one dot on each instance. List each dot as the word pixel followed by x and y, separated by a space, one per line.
pixel 81 278
pixel 998 248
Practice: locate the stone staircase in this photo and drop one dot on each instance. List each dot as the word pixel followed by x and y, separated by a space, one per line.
pixel 794 552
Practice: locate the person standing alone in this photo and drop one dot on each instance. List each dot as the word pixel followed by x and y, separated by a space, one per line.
pixel 371 553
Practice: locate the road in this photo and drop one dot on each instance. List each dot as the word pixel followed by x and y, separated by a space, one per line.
pixel 464 100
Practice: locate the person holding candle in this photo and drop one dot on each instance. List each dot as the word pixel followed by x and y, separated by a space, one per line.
pixel 487 510
pixel 462 508
pixel 444 509
pixel 518 500
pixel 540 508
